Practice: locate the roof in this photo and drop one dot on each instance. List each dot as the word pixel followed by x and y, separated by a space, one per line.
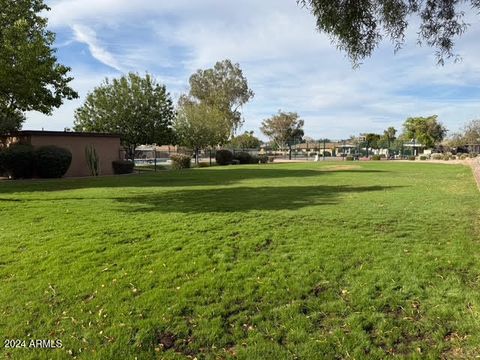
pixel 60 133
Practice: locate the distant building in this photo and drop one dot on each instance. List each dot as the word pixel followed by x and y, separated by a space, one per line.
pixel 107 146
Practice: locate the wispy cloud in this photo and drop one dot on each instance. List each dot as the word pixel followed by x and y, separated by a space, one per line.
pixel 88 36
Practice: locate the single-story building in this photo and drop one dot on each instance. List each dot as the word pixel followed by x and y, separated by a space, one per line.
pixel 107 146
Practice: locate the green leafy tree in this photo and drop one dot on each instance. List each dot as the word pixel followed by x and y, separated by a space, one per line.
pixel 224 87
pixel 137 108
pixel 426 130
pixel 284 129
pixel 199 125
pixel 30 76
pixel 358 27
pixel 245 141
pixel 372 141
pixel 388 137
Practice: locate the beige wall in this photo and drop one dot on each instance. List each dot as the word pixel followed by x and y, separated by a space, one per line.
pixel 108 150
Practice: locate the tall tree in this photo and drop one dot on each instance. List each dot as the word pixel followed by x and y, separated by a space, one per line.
pixel 199 125
pixel 389 136
pixel 358 27
pixel 30 76
pixel 284 129
pixel 427 130
pixel 225 87
pixel 471 132
pixel 372 141
pixel 245 141
pixel 137 108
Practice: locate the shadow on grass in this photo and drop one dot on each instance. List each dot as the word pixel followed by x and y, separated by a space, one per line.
pixel 183 178
pixel 237 199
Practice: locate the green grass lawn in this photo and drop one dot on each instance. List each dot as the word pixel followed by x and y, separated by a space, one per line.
pixel 293 261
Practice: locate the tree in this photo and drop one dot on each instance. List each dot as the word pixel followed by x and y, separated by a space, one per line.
pixel 284 129
pixel 223 87
pixel 389 136
pixel 198 125
pixel 245 141
pixel 30 76
pixel 137 108
pixel 358 27
pixel 372 141
pixel 426 130
pixel 471 132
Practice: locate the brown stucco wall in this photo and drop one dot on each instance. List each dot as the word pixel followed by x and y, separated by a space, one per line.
pixel 108 149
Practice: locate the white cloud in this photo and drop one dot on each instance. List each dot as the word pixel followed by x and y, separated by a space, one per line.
pixel 88 36
pixel 289 65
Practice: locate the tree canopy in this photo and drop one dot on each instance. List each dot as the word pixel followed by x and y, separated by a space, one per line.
pixel 426 130
pixel 245 141
pixel 199 125
pixel 358 27
pixel 137 108
pixel 284 129
pixel 30 76
pixel 225 87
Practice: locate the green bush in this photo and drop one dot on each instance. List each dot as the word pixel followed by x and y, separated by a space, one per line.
pixel 223 157
pixel 423 157
pixel 453 157
pixel 262 159
pixel 235 162
pixel 122 166
pixel 19 161
pixel 412 158
pixel 243 158
pixel 203 164
pixel 473 154
pixel 180 161
pixel 349 158
pixel 376 157
pixel 52 161
pixel 2 163
pixel 271 159
pixel 254 159
pixel 437 156
pixel 446 157
pixel 463 156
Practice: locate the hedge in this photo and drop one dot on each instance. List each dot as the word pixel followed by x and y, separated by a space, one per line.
pixel 52 161
pixel 122 167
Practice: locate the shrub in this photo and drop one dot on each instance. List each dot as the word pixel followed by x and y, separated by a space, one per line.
pixel 453 157
pixel 223 157
pixel 180 161
pixel 437 156
pixel 122 166
pixel 19 161
pixel 412 158
pixel 383 156
pixel 243 158
pixel 271 159
pixel 423 157
pixel 2 163
pixel 254 159
pixel 52 161
pixel 463 156
pixel 349 158
pixel 376 157
pixel 203 164
pixel 262 159
pixel 235 162
pixel 473 154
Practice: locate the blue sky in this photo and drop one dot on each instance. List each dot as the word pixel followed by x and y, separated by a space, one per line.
pixel 288 64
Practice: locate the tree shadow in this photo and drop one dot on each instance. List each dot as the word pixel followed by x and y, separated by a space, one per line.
pixel 237 199
pixel 184 178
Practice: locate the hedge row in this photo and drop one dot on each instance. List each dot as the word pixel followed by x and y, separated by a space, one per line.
pixel 23 161
pixel 226 157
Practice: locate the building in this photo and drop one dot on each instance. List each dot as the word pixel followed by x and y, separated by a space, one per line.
pixel 107 146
